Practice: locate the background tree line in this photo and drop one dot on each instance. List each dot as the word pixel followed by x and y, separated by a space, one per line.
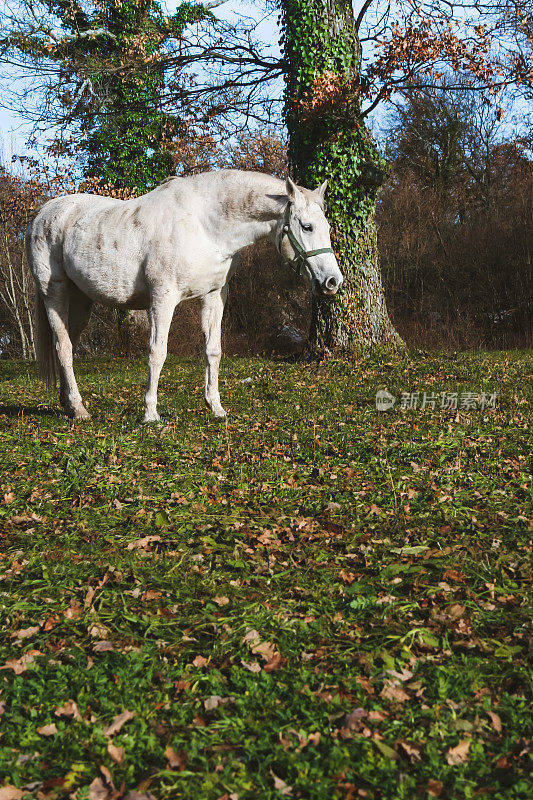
pixel 119 80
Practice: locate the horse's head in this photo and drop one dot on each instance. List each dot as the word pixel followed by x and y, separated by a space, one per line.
pixel 304 240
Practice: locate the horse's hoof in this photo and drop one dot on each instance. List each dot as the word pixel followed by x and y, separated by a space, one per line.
pixel 152 417
pixel 81 413
pixel 219 414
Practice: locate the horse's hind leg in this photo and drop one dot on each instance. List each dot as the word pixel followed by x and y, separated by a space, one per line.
pixel 79 312
pixel 56 303
pixel 160 315
pixel 212 311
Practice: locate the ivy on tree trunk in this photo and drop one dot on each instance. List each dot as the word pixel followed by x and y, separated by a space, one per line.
pixel 329 140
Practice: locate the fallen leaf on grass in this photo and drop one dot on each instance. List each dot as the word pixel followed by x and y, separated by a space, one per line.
pixel 212 702
pixel 10 793
pixel 20 665
pixel 276 662
pixel 377 716
pixel 199 662
pixel 100 790
pixel 118 722
pixel 496 721
pixel 453 575
pixel 251 635
pixel 103 646
pixel 74 610
pixel 98 631
pixel 387 751
pixel 412 750
pixel 251 666
pixel 116 753
pixel 346 577
pixel 138 796
pixel 393 691
pixel 140 544
pixel 68 710
pixel 435 788
pixel 151 594
pixel 459 754
pixel 365 683
pixel 414 550
pixel 280 785
pixel 47 730
pixel 404 675
pixel 456 610
pixel 89 597
pixel 25 633
pixel 266 650
pixel 50 623
pixel 176 760
pixel 352 721
pixel 221 601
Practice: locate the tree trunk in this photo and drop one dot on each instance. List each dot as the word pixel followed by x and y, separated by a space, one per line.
pixel 328 140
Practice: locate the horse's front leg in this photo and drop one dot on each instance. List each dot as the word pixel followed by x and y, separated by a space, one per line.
pixel 212 311
pixel 160 314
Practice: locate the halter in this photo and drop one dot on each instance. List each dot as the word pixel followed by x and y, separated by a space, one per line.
pixel 302 256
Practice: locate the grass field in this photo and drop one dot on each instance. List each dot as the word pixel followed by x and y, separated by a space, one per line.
pixel 314 600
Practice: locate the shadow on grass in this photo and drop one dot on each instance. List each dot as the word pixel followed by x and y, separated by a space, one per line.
pixel 19 410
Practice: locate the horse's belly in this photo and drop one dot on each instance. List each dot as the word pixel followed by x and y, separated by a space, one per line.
pixel 108 280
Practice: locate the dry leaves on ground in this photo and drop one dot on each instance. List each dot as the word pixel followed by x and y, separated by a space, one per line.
pixel 118 722
pixel 459 754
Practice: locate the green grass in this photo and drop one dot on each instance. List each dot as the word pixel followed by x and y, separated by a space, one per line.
pixel 390 627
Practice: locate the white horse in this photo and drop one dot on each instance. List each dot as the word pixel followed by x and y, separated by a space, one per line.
pixel 179 241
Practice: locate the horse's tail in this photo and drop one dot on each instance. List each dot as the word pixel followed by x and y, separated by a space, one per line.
pixel 44 344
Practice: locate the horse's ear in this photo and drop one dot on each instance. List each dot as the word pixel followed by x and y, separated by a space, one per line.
pixel 291 188
pixel 321 192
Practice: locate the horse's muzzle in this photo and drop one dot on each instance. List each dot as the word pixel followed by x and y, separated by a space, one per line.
pixel 328 287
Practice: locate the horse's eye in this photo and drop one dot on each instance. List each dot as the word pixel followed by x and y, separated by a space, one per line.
pixel 306 226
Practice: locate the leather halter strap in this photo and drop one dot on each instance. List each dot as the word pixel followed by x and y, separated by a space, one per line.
pixel 302 256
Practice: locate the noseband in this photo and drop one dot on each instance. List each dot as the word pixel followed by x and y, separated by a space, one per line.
pixel 302 256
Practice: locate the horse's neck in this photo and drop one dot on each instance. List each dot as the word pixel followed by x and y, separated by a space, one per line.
pixel 248 216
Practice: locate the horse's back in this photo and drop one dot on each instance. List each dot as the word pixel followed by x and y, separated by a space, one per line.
pixel 94 242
